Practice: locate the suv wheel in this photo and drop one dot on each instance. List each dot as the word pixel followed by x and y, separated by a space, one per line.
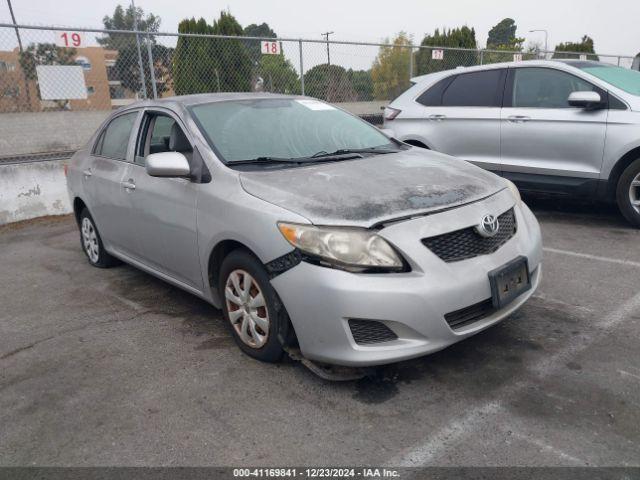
pixel 252 308
pixel 628 193
pixel 92 243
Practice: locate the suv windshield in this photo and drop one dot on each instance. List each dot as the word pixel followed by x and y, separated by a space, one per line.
pixel 283 128
pixel 622 78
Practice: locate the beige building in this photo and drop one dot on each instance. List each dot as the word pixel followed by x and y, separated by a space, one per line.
pixel 104 90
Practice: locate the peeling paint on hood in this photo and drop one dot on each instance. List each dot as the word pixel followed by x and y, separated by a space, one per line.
pixel 375 189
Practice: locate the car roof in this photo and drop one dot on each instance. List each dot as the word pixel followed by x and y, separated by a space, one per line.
pixel 556 62
pixel 200 98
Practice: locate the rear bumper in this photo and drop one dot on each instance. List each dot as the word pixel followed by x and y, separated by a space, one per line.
pixel 320 301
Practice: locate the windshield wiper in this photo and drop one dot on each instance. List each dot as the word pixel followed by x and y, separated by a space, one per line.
pixel 264 160
pixel 329 157
pixel 347 151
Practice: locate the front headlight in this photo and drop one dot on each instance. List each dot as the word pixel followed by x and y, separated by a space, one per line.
pixel 352 249
pixel 514 191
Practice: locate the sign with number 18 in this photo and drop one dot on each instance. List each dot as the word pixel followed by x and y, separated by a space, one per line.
pixel 270 48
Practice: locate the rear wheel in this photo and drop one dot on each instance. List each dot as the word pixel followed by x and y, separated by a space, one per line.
pixel 251 307
pixel 92 243
pixel 628 193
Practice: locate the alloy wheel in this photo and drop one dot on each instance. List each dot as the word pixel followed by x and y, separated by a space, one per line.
pixel 247 308
pixel 90 240
pixel 634 193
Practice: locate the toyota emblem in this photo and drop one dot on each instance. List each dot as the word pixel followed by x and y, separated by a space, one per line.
pixel 489 226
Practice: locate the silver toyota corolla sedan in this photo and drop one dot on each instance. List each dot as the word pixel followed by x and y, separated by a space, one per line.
pixel 307 226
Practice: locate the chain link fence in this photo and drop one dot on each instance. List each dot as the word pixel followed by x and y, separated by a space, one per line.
pixel 57 85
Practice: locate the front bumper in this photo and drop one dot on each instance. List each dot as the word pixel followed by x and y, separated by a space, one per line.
pixel 320 300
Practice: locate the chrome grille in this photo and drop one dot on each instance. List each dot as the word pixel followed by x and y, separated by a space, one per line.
pixel 467 243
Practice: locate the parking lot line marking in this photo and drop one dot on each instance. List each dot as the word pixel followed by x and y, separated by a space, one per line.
pixel 549 448
pixel 425 453
pixel 624 372
pixel 592 257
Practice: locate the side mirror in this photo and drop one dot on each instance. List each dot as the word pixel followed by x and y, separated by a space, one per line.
pixel 167 164
pixel 588 100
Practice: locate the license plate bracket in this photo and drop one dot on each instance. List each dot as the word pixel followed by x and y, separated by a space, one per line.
pixel 509 281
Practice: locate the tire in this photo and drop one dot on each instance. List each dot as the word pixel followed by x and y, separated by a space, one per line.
pixel 91 243
pixel 259 324
pixel 628 193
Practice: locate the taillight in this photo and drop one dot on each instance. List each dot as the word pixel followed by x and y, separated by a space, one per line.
pixel 66 168
pixel 391 113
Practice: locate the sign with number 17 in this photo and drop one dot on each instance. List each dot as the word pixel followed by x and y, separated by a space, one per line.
pixel 270 48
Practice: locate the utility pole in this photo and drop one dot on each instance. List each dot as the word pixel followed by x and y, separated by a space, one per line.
pixel 13 19
pixel 326 35
pixel 135 27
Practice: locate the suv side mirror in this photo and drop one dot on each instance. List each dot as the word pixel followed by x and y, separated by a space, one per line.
pixel 588 100
pixel 167 164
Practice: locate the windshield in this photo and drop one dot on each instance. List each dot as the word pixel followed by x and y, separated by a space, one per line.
pixel 622 78
pixel 282 128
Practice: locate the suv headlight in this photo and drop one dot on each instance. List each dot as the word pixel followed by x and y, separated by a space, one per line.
pixel 352 249
pixel 514 191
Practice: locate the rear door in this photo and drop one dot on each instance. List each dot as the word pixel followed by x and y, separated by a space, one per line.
pixel 109 168
pixel 546 144
pixel 462 116
pixel 164 209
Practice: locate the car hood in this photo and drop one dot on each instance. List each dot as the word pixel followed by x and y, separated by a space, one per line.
pixel 375 189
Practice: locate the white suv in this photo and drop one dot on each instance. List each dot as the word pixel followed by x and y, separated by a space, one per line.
pixel 557 126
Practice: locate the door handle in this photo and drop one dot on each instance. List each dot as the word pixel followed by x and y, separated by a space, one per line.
pixel 518 118
pixel 87 173
pixel 437 118
pixel 128 185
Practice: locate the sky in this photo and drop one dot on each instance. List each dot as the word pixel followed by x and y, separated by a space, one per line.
pixel 613 24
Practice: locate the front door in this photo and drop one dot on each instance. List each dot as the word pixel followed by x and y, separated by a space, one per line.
pixel 165 208
pixel 545 143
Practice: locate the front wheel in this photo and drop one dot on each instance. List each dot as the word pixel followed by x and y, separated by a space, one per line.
pixel 251 307
pixel 628 193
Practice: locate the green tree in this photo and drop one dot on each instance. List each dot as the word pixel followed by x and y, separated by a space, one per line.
pixel 194 67
pixel 231 57
pixel 583 46
pixel 462 37
pixel 330 83
pixel 390 70
pixel 127 67
pixel 278 75
pixel 362 84
pixel 124 20
pixel 211 64
pixel 502 36
pixel 45 54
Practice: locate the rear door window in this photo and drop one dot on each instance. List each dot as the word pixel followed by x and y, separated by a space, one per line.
pixel 114 140
pixel 475 89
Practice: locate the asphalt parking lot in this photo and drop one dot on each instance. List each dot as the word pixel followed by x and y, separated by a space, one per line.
pixel 114 367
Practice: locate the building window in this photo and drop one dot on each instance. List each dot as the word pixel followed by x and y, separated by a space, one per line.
pixel 6 66
pixel 83 62
pixel 11 92
pixel 116 92
pixel 91 90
